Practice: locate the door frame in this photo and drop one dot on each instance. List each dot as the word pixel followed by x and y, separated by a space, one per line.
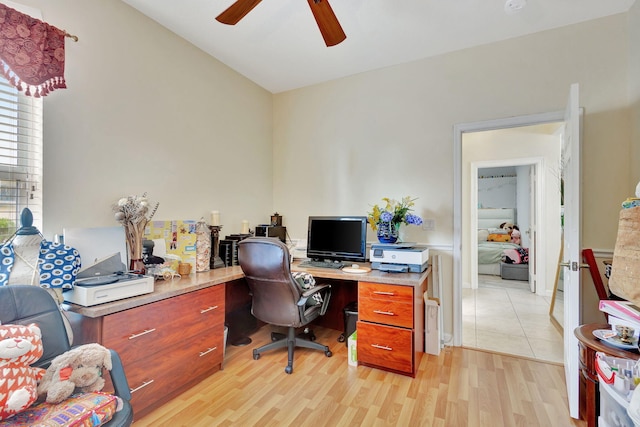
pixel 458 131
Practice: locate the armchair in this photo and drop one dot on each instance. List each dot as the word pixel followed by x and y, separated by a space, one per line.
pixel 24 304
pixel 277 298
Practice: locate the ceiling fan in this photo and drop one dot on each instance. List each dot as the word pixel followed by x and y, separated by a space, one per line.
pixel 325 18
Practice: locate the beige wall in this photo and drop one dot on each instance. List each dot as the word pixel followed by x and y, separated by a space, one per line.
pixel 147 111
pixel 341 146
pixel 634 90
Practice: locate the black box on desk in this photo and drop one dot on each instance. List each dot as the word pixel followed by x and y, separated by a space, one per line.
pixel 278 231
pixel 228 250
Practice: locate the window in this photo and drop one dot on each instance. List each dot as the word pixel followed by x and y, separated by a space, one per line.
pixel 20 158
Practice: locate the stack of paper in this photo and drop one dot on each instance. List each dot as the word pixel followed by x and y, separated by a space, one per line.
pixel 622 313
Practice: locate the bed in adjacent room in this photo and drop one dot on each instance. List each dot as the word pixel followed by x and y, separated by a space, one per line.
pixel 492 240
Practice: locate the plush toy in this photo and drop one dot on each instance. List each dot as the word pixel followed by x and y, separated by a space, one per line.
pixel 20 346
pixel 516 237
pixel 79 369
pixel 508 226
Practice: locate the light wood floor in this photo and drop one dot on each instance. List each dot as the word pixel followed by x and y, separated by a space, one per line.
pixel 460 387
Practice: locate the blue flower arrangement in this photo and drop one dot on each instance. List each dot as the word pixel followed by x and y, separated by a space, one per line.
pixel 394 212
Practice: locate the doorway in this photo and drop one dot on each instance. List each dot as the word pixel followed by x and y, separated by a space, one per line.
pixel 504 211
pixel 496 303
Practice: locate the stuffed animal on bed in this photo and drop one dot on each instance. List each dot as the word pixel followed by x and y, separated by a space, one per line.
pixel 516 237
pixel 508 226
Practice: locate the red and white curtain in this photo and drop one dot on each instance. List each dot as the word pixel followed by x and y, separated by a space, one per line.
pixel 31 53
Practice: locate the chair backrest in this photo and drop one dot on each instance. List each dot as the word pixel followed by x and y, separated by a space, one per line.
pixel 266 265
pixel 24 304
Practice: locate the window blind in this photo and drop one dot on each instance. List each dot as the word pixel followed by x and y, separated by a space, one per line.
pixel 20 158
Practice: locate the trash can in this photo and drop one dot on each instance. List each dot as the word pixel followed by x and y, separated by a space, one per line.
pixel 350 319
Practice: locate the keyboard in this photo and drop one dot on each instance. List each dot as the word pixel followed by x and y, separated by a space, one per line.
pixel 321 264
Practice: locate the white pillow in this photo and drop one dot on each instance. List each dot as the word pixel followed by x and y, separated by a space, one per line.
pixel 497 231
pixel 483 234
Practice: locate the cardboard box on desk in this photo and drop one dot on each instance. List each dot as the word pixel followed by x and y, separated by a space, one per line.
pixel 179 236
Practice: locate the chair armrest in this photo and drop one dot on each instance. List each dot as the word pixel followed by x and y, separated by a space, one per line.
pixel 118 378
pixel 325 288
pixel 307 293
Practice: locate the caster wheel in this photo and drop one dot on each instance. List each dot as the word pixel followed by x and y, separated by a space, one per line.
pixel 256 355
pixel 328 353
pixel 312 337
pixel 341 338
pixel 288 370
pixel 273 337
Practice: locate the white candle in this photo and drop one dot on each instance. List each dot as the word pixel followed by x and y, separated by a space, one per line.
pixel 245 227
pixel 215 218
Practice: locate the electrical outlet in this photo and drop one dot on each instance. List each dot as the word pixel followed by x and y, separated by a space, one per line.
pixel 429 224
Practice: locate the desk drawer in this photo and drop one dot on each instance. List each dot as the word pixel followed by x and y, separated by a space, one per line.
pixel 386 347
pixel 145 330
pixel 151 378
pixel 386 312
pixel 380 291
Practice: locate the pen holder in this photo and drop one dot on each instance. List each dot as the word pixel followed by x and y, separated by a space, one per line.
pixel 184 268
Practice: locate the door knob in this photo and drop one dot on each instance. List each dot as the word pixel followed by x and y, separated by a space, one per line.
pixel 573 265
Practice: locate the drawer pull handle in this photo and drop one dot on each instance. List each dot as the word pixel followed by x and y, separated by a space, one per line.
pixel 386 313
pixel 384 293
pixel 145 332
pixel 202 353
pixel 208 309
pixel 382 347
pixel 144 384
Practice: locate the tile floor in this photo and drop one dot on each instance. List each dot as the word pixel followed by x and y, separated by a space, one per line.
pixel 506 317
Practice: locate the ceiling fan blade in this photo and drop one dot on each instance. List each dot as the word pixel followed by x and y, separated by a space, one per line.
pixel 327 22
pixel 237 11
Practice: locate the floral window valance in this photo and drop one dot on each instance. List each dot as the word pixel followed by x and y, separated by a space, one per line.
pixel 31 53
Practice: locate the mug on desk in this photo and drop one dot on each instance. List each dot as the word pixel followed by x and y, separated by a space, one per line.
pixel 184 268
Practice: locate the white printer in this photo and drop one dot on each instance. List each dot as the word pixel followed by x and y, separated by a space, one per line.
pixel 399 257
pixel 105 281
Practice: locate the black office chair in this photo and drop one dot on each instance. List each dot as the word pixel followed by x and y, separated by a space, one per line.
pixel 277 298
pixel 22 305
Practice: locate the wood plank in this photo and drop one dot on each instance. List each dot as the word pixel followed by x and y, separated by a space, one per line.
pixel 460 387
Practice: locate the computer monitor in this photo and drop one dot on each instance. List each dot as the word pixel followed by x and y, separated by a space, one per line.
pixel 337 238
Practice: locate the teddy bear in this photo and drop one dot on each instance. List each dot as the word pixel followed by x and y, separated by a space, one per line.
pixel 20 346
pixel 516 237
pixel 507 226
pixel 78 369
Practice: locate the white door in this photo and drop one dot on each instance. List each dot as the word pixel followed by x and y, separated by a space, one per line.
pixel 571 250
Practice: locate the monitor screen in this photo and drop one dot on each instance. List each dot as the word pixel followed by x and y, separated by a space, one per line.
pixel 337 238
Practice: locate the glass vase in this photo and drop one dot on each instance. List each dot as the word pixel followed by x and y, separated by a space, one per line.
pixel 388 232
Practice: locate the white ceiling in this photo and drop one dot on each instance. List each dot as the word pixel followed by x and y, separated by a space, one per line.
pixel 279 47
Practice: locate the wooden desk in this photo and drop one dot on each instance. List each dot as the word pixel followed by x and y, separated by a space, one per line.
pixel 390 315
pixel 192 309
pixel 589 392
